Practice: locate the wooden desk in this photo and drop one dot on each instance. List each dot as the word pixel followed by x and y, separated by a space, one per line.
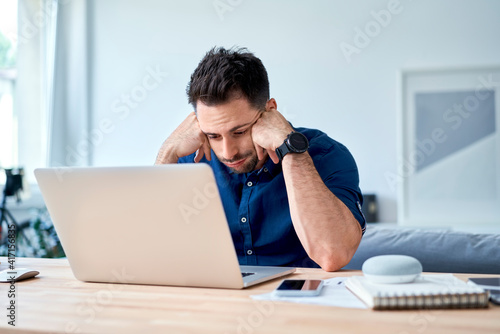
pixel 57 303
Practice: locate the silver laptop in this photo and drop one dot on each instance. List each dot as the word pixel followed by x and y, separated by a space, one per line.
pixel 161 225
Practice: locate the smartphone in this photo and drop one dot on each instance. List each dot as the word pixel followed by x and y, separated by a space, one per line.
pixel 492 284
pixel 299 288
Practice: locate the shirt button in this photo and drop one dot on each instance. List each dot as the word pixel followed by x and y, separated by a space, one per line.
pixel 243 220
pixel 265 169
pixel 249 252
pixel 249 183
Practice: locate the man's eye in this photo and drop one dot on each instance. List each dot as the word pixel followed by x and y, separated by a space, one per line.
pixel 212 136
pixel 239 133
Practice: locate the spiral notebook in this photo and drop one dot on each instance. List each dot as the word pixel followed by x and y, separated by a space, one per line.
pixel 426 292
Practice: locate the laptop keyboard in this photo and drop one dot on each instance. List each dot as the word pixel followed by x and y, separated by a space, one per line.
pixel 247 274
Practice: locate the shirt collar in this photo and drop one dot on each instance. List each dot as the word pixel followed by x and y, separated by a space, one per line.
pixel 270 167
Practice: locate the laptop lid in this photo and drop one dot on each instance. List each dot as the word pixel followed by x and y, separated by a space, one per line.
pixel 162 225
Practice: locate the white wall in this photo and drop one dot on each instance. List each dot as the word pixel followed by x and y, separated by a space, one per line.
pixel 300 44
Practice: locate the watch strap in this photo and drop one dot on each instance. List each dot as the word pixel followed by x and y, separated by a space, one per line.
pixel 282 150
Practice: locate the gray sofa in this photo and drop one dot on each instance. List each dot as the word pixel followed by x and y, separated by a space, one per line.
pixel 437 250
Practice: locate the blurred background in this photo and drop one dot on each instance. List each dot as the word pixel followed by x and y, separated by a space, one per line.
pixel 102 83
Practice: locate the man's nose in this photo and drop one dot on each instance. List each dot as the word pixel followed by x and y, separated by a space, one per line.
pixel 229 149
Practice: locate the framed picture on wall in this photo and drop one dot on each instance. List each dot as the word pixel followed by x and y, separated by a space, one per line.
pixel 449 147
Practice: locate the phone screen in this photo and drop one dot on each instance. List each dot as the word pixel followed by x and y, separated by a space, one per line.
pixel 487 282
pixel 492 284
pixel 299 284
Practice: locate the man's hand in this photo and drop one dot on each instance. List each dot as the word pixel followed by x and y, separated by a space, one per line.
pixel 185 140
pixel 269 132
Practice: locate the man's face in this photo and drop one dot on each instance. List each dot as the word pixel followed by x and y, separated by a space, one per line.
pixel 229 130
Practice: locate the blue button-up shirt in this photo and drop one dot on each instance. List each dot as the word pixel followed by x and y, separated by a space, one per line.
pixel 257 208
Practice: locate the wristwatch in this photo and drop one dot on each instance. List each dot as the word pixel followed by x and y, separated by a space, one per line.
pixel 295 142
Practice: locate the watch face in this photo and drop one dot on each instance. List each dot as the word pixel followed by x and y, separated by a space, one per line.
pixel 298 142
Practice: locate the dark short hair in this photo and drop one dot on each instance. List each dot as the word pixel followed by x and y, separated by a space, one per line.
pixel 226 74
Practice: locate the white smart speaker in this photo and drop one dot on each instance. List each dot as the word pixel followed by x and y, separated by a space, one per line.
pixel 392 269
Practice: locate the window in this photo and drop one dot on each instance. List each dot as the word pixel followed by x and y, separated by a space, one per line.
pixel 8 73
pixel 25 34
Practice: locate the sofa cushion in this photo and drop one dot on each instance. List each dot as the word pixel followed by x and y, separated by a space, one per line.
pixel 437 250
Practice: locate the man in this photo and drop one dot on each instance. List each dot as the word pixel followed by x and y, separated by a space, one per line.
pixel 291 195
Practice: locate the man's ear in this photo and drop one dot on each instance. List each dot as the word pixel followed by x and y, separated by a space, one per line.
pixel 271 104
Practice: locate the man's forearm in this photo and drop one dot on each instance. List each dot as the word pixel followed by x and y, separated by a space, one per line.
pixel 325 226
pixel 166 155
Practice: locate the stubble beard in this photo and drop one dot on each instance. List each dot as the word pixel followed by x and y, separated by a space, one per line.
pixel 247 167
